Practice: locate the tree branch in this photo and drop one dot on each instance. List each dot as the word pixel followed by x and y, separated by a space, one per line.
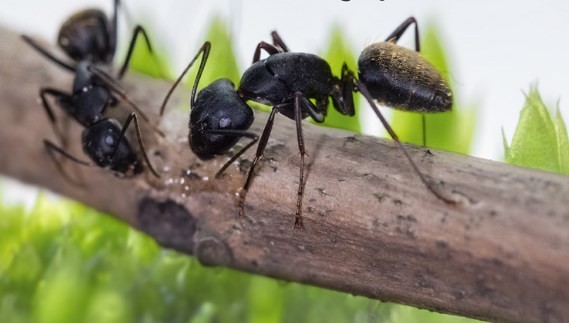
pixel 372 228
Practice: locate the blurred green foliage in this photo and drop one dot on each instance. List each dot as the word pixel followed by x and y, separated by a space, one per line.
pixel 63 262
pixel 539 140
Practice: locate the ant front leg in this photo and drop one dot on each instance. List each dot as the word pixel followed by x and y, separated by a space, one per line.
pixel 130 118
pixel 258 155
pixel 138 30
pixel 238 133
pixel 64 101
pixel 52 149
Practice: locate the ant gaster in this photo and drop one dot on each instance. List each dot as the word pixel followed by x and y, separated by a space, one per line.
pixel 89 39
pixel 394 75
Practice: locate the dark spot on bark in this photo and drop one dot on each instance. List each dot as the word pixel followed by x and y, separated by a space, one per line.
pixel 380 196
pixel 211 251
pixel 459 294
pixel 441 244
pixel 168 222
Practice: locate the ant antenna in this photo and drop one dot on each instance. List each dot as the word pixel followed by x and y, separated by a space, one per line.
pixel 44 52
pixel 206 47
pixel 132 116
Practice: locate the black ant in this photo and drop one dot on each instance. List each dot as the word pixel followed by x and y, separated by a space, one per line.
pixel 88 35
pixel 287 81
pixel 103 138
pixel 90 41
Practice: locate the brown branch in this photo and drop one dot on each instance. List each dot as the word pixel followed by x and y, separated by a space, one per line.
pixel 372 228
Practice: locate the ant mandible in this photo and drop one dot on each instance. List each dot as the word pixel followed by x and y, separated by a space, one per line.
pixel 388 73
pixel 90 41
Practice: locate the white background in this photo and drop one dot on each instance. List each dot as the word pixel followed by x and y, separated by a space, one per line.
pixel 496 48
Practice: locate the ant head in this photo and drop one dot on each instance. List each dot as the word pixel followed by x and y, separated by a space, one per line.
pixel 100 144
pixel 217 118
pixel 85 35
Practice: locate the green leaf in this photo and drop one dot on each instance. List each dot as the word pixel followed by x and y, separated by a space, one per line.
pixel 338 52
pixel 453 130
pixel 539 141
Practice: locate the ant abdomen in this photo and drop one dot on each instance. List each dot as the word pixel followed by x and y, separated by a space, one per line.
pixel 217 114
pixel 400 78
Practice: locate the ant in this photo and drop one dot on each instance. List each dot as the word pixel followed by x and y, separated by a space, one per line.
pixel 90 41
pixel 391 74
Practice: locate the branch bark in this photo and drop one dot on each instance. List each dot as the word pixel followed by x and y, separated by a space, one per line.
pixel 372 228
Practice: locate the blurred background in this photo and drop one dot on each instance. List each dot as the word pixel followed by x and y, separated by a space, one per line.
pixel 494 51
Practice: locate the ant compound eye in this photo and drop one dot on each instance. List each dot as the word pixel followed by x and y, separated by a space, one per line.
pixel 224 123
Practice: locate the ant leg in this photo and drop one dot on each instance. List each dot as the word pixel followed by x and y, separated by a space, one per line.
pixel 51 149
pixel 113 30
pixel 206 47
pixel 278 47
pixel 394 37
pixel 238 133
pixel 396 34
pixel 270 49
pixel 131 117
pixel 45 53
pixel 138 30
pixel 363 89
pixel 299 101
pixel 64 101
pixel 343 98
pixel 315 112
pixel 116 88
pixel 424 119
pixel 278 41
pixel 258 155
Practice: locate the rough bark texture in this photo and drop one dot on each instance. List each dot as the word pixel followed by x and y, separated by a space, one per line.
pixel 501 253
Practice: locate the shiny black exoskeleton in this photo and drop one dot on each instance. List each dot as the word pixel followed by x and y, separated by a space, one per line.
pixel 103 139
pixel 288 81
pixel 90 36
pixel 89 39
pixel 219 117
